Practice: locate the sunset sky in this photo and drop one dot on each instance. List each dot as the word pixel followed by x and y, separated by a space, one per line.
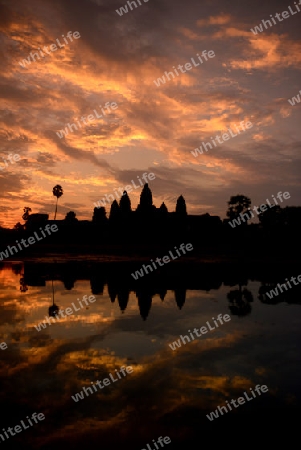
pixel 154 129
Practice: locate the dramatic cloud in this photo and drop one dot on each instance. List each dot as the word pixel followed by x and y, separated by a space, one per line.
pixel 155 128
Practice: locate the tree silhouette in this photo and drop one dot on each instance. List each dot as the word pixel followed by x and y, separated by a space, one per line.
pixel 291 216
pixel 57 192
pixel 272 217
pixel 181 206
pixel 26 210
pixel 239 301
pixel 266 287
pixel 238 204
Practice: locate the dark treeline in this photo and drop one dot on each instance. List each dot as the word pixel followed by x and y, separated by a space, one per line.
pixel 149 228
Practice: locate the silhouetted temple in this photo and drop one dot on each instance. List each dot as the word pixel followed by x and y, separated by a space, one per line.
pixel 149 227
pixel 123 225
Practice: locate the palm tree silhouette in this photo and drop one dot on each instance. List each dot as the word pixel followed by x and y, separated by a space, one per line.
pixel 53 309
pixel 57 192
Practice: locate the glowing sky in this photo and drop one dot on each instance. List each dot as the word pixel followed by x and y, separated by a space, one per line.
pixel 154 129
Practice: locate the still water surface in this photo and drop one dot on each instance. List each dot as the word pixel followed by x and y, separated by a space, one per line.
pixel 169 392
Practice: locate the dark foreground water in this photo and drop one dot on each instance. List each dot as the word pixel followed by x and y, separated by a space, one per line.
pixel 169 393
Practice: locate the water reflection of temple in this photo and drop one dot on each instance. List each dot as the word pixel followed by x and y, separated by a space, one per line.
pixel 179 280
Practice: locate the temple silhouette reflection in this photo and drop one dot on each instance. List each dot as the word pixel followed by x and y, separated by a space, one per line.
pixel 177 279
